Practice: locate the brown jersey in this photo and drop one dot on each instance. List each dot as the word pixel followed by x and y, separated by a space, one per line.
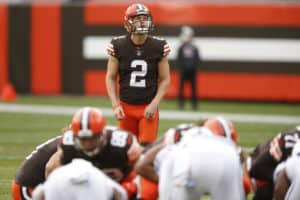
pixel 32 171
pixel 113 156
pixel 138 68
pixel 264 164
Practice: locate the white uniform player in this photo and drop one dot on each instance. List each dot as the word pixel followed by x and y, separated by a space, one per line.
pixel 79 180
pixel 200 163
pixel 291 175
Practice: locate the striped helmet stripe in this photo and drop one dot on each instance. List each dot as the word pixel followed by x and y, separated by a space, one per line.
pixel 225 127
pixel 85 119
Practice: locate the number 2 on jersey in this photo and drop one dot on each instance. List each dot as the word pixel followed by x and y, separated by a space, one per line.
pixel 141 81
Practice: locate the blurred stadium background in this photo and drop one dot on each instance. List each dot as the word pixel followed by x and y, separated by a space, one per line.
pixel 53 54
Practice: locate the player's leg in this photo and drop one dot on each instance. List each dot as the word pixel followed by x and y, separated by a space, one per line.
pixel 20 192
pixel 180 92
pixel 230 183
pixel 147 190
pixel 130 185
pixel 130 122
pixel 148 129
pixel 187 172
pixel 166 179
pixel 194 90
pixel 294 192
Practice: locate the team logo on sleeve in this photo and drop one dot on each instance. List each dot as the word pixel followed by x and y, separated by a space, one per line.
pixel 110 49
pixel 167 49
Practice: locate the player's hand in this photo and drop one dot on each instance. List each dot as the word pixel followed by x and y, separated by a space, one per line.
pixel 119 112
pixel 275 149
pixel 150 111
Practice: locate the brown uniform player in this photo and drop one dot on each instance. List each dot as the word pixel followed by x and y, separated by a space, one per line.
pixel 110 149
pixel 140 61
pixel 32 171
pixel 266 157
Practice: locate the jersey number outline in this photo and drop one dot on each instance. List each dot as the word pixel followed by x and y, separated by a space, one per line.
pixel 141 82
pixel 118 138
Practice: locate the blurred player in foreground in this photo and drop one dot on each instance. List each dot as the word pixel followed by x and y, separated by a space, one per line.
pixel 201 162
pixel 287 184
pixel 79 180
pixel 32 171
pixel 263 161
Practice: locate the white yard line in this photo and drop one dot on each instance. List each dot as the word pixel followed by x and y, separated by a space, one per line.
pixel 164 114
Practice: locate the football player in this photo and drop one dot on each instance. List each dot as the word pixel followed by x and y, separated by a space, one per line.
pixel 148 182
pixel 32 171
pixel 79 180
pixel 139 62
pixel 150 165
pixel 287 183
pixel 110 149
pixel 265 158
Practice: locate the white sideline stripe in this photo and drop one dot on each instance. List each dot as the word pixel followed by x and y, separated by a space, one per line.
pixel 216 48
pixel 164 114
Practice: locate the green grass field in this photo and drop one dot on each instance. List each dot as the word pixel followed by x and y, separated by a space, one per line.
pixel 20 133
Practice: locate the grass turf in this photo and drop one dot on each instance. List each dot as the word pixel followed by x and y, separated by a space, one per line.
pixel 21 133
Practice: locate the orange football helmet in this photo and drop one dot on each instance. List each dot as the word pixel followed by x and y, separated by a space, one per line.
pixel 222 127
pixel 88 124
pixel 134 26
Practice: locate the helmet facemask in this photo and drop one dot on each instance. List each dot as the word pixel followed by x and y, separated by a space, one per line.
pixel 140 24
pixel 138 19
pixel 90 146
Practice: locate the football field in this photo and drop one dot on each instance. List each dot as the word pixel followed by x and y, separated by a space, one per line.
pixel 32 120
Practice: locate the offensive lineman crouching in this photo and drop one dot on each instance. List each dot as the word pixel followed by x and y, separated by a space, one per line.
pixel 110 149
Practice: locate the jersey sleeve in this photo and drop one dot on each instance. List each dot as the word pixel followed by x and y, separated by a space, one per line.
pixel 263 167
pixel 66 145
pixel 110 49
pixel 166 49
pixel 114 46
pixel 163 46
